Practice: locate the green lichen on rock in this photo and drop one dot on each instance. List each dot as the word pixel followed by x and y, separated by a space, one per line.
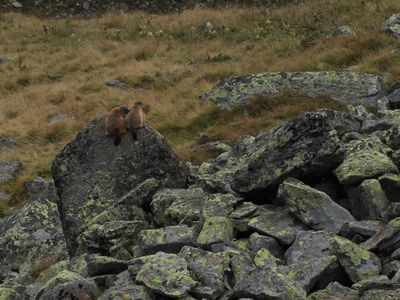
pixel 219 205
pixel 391 185
pixel 166 274
pixel 8 294
pixel 265 258
pixel 278 224
pixel 358 263
pixel 364 159
pixel 63 277
pixel 314 208
pixel 215 230
pixel 102 265
pixel 335 291
pixel 341 86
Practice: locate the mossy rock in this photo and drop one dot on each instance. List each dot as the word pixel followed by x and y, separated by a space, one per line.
pixel 215 230
pixel 335 291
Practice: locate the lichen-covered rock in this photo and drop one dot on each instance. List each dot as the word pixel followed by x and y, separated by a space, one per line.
pixel 358 263
pixel 392 25
pixel 381 294
pixel 244 210
pixel 171 206
pixel 278 224
pixel 314 208
pixel 219 205
pixel 386 240
pixel 343 30
pixel 40 187
pixel 386 120
pixel 168 239
pixel 31 237
pixel 77 289
pixel 335 291
pixel 258 242
pixel 364 159
pixel 8 294
pixel 91 174
pixel 394 99
pixel 368 200
pixel 166 274
pixel 341 86
pixel 215 230
pixel 9 170
pixel 130 291
pixel 374 282
pixel 390 183
pixel 362 230
pixel 103 265
pixel 208 269
pixel 64 276
pixel 390 268
pixel 306 146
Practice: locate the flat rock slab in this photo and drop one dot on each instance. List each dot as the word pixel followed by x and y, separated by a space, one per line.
pixel 314 208
pixel 9 170
pixel 345 87
pixel 215 230
pixel 386 240
pixel 166 274
pixel 335 291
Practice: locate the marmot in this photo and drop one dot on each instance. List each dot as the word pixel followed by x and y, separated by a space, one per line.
pixel 115 123
pixel 134 119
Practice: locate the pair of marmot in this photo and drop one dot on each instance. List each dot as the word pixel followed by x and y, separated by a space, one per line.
pixel 121 119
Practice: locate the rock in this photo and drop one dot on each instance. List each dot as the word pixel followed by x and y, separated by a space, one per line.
pixel 55 118
pixel 127 290
pixel 16 4
pixel 368 200
pixel 202 138
pixel 244 210
pixel 117 84
pixel 386 240
pixel 220 205
pixel 40 187
pixel 215 230
pixel 63 277
pixel 279 224
pixel 77 289
pixel 31 238
pixel 9 170
pixel 342 31
pixel 142 194
pixel 312 207
pixel 381 294
pixel 331 187
pixel 103 265
pixel 389 269
pixel 4 197
pixel 264 258
pixel 386 121
pixel 364 159
pixel 7 143
pixel 258 242
pixel 166 274
pixel 213 147
pixel 8 294
pixel 358 263
pixel 363 229
pixel 391 185
pixel 171 206
pixel 374 282
pixel 169 239
pixel 5 61
pixel 335 291
pixel 208 269
pixel 392 25
pixel 307 146
pixel 91 174
pixel 394 99
pixel 345 87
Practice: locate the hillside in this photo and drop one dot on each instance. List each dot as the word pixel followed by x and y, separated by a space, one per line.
pixel 59 66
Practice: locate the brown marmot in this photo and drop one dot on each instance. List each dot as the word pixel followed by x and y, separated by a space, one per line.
pixel 134 119
pixel 115 123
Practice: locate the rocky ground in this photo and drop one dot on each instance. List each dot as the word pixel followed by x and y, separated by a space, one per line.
pixel 307 210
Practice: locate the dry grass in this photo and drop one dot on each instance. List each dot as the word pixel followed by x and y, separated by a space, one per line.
pixel 169 60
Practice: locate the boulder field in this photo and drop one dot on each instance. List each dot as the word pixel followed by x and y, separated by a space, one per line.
pixel 307 210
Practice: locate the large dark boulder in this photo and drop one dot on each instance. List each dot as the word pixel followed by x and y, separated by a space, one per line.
pixel 90 173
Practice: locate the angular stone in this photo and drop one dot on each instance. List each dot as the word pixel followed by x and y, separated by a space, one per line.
pixel 169 239
pixel 83 289
pixel 368 200
pixel 389 269
pixel 219 205
pixel 379 294
pixel 374 282
pixel 171 206
pixel 208 269
pixel 91 174
pixel 215 230
pixel 41 188
pixel 117 84
pixel 335 291
pixel 9 170
pixel 394 99
pixel 342 31
pixel 358 263
pixel 391 185
pixel 103 265
pixel 63 277
pixel 312 207
pixel 166 274
pixel 386 120
pixel 244 210
pixel 61 117
pixel 364 159
pixel 386 240
pixel 258 242
pixel 31 237
pixel 392 25
pixel 7 143
pixel 362 229
pixel 278 224
pixel 345 87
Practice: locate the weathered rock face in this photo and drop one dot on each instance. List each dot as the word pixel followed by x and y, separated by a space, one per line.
pixel 9 170
pixel 31 237
pixel 341 86
pixel 392 25
pixel 90 173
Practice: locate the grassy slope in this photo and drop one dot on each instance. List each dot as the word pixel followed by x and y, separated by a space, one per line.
pixel 60 66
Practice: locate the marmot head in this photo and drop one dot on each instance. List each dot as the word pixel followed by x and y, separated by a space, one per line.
pixel 124 110
pixel 139 103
